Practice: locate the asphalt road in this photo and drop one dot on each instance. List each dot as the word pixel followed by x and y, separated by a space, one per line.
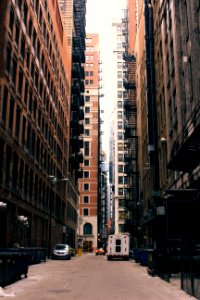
pixel 91 277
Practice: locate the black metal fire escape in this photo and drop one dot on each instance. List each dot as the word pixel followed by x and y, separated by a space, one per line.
pixel 77 89
pixel 131 139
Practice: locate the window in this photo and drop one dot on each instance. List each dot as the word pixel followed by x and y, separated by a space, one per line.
pixel 85 212
pixel 22 48
pixel 120 147
pixel 87 109
pixel 88 40
pixel 10 124
pixel 30 27
pixel 119 104
pixel 119 124
pixel 86 199
pixel 11 21
pixel 119 65
pixel 23 130
pixel 87 229
pixel 87 121
pixel 86 186
pixel 17 122
pixel 87 148
pixel 122 228
pixel 120 135
pixel 120 191
pixel 86 174
pixel 119 114
pixel 87 98
pixel 119 94
pixel 8 58
pixel 86 162
pixel 121 203
pixel 14 70
pixel 91 73
pixel 26 93
pixel 119 74
pixel 17 33
pixel 28 59
pixel 120 180
pixel 119 84
pixel 87 132
pixel 20 82
pixel 5 103
pixel 25 13
pixel 122 215
pixel 120 169
pixel 120 157
pixel 91 81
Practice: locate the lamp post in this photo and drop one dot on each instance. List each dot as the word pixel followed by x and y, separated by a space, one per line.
pixel 53 180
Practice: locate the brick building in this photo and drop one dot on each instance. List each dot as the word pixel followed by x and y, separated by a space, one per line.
pixel 35 80
pixel 88 209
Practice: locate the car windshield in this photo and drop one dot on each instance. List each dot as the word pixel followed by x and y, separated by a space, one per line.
pixel 60 247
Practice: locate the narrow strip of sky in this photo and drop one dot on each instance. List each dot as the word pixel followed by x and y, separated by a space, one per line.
pixel 99 16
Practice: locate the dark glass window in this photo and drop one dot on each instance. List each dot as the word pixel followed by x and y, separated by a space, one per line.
pixel 12 18
pixel 22 49
pixel 5 104
pixel 7 165
pixel 15 171
pixel 17 125
pixel 85 213
pixel 14 70
pixel 23 130
pixel 28 59
pixel 8 58
pixel 11 113
pixel 25 13
pixel 86 174
pixel 30 106
pixel 26 93
pixel 20 82
pixel 17 29
pixel 85 199
pixel 87 148
pixel 86 186
pixel 30 27
pixel 87 226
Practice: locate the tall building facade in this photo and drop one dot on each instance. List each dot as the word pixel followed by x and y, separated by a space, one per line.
pixel 118 137
pixel 167 78
pixel 88 185
pixel 35 93
pixel 75 32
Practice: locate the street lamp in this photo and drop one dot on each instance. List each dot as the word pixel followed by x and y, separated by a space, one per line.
pixel 53 180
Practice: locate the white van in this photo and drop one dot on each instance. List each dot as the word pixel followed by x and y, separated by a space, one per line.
pixel 118 246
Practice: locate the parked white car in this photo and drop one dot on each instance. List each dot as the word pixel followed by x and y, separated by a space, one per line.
pixel 61 251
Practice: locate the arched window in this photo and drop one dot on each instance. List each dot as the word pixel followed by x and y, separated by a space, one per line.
pixel 87 228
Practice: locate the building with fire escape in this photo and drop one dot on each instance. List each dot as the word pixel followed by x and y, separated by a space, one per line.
pixel 131 200
pixel 168 138
pixel 76 41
